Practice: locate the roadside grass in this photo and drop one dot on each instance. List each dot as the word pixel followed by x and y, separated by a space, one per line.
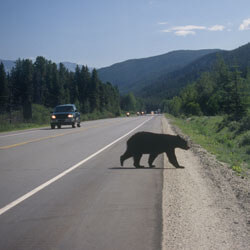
pixel 219 138
pixel 96 116
pixel 20 126
pixel 14 121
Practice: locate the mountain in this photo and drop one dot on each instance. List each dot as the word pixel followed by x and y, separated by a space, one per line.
pixel 8 64
pixel 168 84
pixel 135 74
pixel 72 66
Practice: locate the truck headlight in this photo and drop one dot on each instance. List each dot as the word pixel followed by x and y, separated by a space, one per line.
pixel 70 116
pixel 53 117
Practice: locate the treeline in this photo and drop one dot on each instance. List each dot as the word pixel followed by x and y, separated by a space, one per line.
pixel 45 83
pixel 131 103
pixel 222 91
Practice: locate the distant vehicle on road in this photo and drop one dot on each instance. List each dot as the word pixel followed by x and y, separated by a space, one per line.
pixel 66 114
pixel 127 114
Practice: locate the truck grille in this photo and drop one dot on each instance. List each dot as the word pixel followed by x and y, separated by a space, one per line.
pixel 62 116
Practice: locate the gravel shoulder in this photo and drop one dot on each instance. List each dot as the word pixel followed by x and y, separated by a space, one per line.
pixel 205 205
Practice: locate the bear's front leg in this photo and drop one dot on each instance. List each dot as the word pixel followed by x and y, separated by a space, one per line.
pixel 151 160
pixel 172 158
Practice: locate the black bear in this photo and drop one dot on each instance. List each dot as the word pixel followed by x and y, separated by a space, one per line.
pixel 153 144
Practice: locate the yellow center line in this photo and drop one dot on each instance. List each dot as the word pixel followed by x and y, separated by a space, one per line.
pixel 44 138
pixel 54 136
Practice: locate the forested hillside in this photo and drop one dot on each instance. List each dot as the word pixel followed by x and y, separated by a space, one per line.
pixel 215 111
pixel 42 82
pixel 133 75
pixel 169 84
pixel 224 90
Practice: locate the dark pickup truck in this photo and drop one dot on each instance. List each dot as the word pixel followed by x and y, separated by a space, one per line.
pixel 66 114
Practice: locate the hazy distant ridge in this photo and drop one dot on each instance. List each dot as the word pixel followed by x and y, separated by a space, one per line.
pixel 9 64
pixel 132 75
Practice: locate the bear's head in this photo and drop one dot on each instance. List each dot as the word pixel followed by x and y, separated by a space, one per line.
pixel 181 143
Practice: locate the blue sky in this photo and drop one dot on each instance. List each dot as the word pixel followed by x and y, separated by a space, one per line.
pixel 99 33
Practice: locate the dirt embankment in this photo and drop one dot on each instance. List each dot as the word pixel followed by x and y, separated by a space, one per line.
pixel 205 205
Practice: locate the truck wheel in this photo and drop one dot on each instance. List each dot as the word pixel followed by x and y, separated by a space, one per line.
pixel 78 125
pixel 59 126
pixel 73 125
pixel 52 126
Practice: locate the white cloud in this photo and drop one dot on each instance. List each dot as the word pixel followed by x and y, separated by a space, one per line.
pixel 191 29
pixel 184 32
pixel 217 28
pixel 245 25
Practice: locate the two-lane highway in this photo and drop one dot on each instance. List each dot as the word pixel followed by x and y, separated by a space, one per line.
pixel 65 189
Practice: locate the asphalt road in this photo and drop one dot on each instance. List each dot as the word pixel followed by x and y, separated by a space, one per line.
pixel 95 205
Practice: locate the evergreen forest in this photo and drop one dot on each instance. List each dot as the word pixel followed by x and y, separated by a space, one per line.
pixel 45 83
pixel 223 91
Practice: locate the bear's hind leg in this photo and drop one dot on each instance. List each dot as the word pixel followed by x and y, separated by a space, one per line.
pixel 137 158
pixel 151 159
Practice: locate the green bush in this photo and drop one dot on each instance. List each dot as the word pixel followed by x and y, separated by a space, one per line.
pixel 234 126
pixel 245 139
pixel 245 123
pixel 237 169
pixel 248 150
pixel 40 114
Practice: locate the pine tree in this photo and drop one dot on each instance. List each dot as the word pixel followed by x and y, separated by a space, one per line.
pixel 27 88
pixel 4 96
pixel 39 83
pixel 128 102
pixel 64 82
pixel 223 82
pixel 56 87
pixel 205 89
pixel 237 106
pixel 73 89
pixel 83 87
pixel 94 92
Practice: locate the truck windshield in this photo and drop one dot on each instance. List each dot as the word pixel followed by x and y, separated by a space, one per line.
pixel 64 109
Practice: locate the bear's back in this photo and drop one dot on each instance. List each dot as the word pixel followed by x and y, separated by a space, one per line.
pixel 147 142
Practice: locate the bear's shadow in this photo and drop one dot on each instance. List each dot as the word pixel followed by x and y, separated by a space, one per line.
pixel 145 168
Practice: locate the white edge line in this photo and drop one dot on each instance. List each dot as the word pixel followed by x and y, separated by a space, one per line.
pixel 39 188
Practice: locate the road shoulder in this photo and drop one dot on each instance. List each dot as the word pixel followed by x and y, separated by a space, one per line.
pixel 201 207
